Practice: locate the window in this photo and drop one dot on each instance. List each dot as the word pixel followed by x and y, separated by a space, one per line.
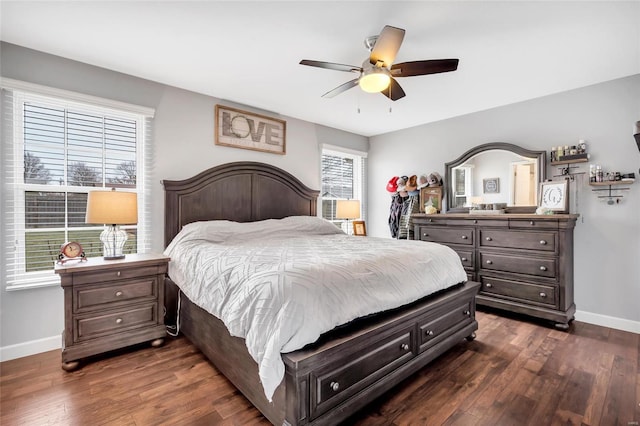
pixel 58 151
pixel 462 184
pixel 343 178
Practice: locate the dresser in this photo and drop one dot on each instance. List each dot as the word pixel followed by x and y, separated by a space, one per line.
pixel 111 304
pixel 524 262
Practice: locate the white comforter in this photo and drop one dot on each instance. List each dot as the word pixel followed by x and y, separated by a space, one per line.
pixel 279 284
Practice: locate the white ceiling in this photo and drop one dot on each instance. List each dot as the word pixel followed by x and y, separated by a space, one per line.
pixel 248 52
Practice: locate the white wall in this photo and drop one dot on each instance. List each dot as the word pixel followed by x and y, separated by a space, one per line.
pixel 32 320
pixel 607 238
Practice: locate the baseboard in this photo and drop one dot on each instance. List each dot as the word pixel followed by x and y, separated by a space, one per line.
pixel 607 321
pixel 30 348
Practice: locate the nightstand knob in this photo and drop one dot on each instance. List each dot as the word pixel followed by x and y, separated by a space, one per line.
pixel 119 321
pixel 488 285
pixel 488 238
pixel 489 262
pixel 543 242
pixel 429 333
pixel 543 295
pixel 464 237
pixel 334 386
pixel 404 347
pixel 118 274
pixel 118 293
pixel 543 268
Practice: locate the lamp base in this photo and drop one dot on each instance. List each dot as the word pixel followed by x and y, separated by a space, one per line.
pixel 113 239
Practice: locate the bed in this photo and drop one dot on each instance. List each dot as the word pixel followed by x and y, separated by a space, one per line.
pixel 347 367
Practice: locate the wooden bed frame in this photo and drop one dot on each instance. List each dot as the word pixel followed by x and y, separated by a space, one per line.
pixel 348 367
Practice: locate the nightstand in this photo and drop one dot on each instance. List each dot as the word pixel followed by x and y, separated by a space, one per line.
pixel 111 304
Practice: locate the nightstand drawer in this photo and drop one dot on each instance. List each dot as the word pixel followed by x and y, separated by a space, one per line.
pixel 89 297
pixel 90 327
pixel 116 273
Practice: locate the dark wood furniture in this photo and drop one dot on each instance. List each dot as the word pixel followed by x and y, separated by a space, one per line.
pixel 524 262
pixel 346 368
pixel 110 304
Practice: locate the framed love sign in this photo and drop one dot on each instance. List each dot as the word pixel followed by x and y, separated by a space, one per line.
pixel 247 130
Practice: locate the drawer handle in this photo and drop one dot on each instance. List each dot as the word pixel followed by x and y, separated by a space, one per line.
pixel 489 262
pixel 543 295
pixel 488 238
pixel 464 259
pixel 467 313
pixel 119 321
pixel 543 268
pixel 429 333
pixel 531 223
pixel 118 274
pixel 488 285
pixel 334 386
pixel 425 235
pixel 543 242
pixel 118 293
pixel 475 221
pixel 404 347
pixel 464 237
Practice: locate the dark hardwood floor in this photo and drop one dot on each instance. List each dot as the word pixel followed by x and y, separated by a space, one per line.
pixel 515 373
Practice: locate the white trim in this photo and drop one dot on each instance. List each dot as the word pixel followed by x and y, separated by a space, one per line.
pixel 342 150
pixel 607 321
pixel 9 83
pixel 31 347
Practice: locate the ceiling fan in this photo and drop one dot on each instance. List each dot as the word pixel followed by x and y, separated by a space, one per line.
pixel 377 73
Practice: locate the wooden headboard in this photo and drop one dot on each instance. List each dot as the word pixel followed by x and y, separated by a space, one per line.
pixel 243 191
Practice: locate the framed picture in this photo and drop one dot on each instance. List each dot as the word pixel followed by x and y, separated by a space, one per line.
pixel 247 130
pixel 491 185
pixel 554 195
pixel 431 195
pixel 359 228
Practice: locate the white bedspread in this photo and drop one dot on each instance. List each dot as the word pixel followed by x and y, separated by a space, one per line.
pixel 281 283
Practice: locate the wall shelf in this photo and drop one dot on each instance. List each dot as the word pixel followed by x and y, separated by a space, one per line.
pixel 576 160
pixel 610 187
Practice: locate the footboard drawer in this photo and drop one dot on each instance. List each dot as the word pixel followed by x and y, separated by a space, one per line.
pixel 434 328
pixel 335 383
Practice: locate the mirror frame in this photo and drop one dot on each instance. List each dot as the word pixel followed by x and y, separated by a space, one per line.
pixel 541 156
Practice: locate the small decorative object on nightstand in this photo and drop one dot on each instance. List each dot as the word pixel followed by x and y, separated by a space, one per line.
pixel 111 304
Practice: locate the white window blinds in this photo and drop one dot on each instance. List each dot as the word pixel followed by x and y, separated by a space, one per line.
pixel 55 152
pixel 343 177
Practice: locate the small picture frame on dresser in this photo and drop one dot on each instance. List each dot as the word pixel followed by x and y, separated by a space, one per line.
pixel 554 195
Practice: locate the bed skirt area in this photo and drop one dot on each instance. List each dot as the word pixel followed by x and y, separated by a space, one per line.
pixel 347 368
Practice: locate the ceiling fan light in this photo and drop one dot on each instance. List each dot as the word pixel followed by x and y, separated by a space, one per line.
pixel 374 82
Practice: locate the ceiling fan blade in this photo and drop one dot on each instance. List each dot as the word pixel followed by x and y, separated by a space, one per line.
pixel 387 46
pixel 434 66
pixel 331 66
pixel 342 88
pixel 394 91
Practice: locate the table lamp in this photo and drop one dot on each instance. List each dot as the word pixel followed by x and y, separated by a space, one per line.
pixel 348 209
pixel 112 208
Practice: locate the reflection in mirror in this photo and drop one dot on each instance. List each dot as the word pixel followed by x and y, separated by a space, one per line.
pixel 495 173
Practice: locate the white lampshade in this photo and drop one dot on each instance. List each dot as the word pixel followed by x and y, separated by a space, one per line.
pixel 112 208
pixel 347 209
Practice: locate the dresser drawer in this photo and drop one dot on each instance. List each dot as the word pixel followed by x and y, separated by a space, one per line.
pixel 542 267
pixel 93 277
pixel 466 257
pixel 543 241
pixel 463 236
pixel 539 294
pixel 89 297
pixel 533 224
pixel 332 385
pixel 112 322
pixel 434 328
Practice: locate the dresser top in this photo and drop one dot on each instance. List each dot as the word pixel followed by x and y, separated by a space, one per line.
pixel 497 216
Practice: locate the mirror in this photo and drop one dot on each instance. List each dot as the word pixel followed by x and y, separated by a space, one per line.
pixel 496 172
